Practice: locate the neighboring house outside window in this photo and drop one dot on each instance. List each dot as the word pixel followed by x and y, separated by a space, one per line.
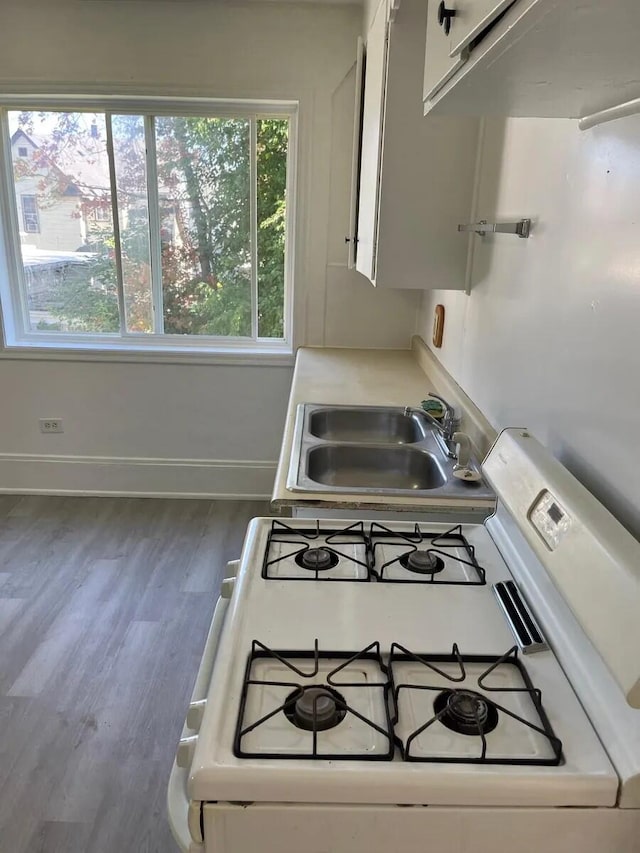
pixel 30 219
pixel 193 251
pixel 60 224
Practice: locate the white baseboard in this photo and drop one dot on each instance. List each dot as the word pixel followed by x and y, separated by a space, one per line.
pixel 136 476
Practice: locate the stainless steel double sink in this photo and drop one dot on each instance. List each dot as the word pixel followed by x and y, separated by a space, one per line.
pixel 372 450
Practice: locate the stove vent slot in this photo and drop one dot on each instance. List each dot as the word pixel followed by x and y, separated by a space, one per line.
pixel 523 625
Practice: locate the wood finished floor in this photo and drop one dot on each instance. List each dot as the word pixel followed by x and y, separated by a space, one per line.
pixel 104 608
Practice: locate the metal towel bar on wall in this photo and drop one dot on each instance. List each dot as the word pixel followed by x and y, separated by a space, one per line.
pixel 521 228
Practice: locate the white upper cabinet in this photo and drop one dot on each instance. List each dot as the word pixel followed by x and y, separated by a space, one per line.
pixel 416 174
pixel 440 64
pixel 553 58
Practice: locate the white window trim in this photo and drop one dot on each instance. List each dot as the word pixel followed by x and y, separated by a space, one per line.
pixel 19 343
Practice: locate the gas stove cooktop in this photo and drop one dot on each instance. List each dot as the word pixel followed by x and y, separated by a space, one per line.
pixel 370 553
pixel 448 666
pixel 364 706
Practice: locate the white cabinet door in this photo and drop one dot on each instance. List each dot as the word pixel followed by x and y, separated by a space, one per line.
pixel 371 147
pixel 452 26
pixel 439 65
pixel 427 176
pixel 416 175
pixel 352 237
pixel 471 18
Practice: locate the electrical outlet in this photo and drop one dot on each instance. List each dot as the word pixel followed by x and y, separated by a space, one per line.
pixel 51 425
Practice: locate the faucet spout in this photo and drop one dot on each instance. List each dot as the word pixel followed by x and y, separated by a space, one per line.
pixel 427 416
pixel 446 427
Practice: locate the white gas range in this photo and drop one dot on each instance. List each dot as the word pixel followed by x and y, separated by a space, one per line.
pixel 370 686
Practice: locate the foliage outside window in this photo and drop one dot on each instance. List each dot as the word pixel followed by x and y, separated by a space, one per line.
pixel 147 228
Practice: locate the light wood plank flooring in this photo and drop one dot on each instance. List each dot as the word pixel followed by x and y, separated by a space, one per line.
pixel 104 608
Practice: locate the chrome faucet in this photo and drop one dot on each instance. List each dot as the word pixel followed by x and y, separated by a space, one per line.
pixel 445 427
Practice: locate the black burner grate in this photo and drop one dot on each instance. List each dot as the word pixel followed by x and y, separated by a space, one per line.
pixel 415 557
pixel 464 710
pixel 471 712
pixel 305 678
pixel 315 539
pixel 318 551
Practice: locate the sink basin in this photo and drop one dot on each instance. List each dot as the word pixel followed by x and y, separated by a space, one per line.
pixel 376 468
pixel 376 451
pixel 365 425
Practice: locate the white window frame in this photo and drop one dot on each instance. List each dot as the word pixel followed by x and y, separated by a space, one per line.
pixel 19 338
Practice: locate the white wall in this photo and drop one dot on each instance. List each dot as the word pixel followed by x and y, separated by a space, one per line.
pixel 234 50
pixel 549 336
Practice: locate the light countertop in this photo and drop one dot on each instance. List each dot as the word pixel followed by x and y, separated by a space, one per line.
pixel 374 378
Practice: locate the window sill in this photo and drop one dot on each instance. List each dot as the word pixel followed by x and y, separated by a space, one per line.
pixel 251 356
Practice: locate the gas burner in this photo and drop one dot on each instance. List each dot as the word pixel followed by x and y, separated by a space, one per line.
pixel 309 552
pixel 313 704
pixel 423 562
pixel 339 706
pixel 417 556
pixel 315 708
pixel 489 702
pixel 317 559
pixel 314 552
pixel 465 712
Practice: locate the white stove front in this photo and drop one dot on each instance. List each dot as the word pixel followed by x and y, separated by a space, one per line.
pixel 274 828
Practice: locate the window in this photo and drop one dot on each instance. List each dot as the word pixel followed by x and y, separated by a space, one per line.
pixel 165 227
pixel 23 151
pixel 30 221
pixel 102 214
